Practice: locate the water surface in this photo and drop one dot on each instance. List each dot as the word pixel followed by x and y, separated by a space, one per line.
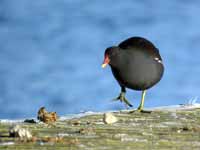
pixel 51 53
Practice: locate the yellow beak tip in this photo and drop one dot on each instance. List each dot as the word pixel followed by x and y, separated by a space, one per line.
pixel 103 65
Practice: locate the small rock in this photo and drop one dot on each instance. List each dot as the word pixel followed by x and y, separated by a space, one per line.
pixel 88 123
pixel 178 131
pixel 17 131
pixel 109 118
pixel 75 122
pixel 87 131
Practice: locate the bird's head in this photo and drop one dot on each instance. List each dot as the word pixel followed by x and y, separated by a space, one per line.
pixel 109 54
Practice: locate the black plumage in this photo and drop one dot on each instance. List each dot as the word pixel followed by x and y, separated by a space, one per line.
pixel 136 64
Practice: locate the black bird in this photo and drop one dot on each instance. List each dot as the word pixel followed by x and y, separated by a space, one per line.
pixel 136 64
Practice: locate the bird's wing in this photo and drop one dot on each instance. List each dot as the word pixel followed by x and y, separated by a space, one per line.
pixel 139 43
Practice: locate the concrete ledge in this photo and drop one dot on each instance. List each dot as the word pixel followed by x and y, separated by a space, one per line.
pixel 175 127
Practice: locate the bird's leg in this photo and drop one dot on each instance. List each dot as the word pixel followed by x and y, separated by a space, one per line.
pixel 140 108
pixel 122 97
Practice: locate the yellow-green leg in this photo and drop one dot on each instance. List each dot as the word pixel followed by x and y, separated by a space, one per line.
pixel 140 108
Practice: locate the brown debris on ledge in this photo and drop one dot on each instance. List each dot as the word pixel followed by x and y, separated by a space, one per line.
pixel 47 117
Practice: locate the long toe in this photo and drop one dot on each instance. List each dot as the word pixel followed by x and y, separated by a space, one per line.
pixel 127 102
pixel 122 98
pixel 117 98
pixel 140 111
pixel 143 111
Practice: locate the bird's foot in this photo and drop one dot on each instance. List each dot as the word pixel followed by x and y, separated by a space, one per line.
pixel 140 108
pixel 122 98
pixel 143 111
pixel 140 111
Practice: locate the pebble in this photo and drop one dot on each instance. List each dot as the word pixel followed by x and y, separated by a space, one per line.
pixel 109 118
pixel 17 131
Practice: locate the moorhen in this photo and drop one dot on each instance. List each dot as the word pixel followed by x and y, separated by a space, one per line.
pixel 136 64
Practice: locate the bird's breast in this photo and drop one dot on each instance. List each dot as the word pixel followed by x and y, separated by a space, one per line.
pixel 138 71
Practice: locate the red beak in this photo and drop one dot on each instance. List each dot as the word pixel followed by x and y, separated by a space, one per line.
pixel 105 62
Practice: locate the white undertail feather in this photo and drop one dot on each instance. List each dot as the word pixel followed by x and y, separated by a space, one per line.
pixel 158 60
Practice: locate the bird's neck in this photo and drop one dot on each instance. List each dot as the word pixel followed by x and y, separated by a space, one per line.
pixel 117 61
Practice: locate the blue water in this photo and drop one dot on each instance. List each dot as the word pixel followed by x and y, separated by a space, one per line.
pixel 51 53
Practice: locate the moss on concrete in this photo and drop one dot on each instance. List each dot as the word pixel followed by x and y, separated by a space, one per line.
pixel 157 130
